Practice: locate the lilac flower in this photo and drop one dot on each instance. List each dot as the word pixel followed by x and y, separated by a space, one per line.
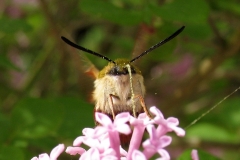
pixel 139 125
pixel 166 125
pixel 75 150
pixel 118 126
pixel 104 143
pixel 53 155
pixel 93 153
pixel 156 143
pixel 194 154
pixel 138 155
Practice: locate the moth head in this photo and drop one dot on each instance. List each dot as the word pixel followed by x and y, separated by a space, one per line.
pixel 118 68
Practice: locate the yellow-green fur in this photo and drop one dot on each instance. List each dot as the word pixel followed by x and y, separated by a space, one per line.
pixel 118 62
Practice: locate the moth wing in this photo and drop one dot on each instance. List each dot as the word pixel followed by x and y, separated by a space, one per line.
pixel 86 65
pixel 89 67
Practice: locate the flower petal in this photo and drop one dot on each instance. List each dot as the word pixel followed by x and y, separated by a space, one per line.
pixel 109 157
pixel 152 132
pixel 165 141
pixel 57 151
pixel 78 141
pixel 99 131
pixel 164 155
pixel 179 131
pixel 138 155
pixel 75 150
pixel 102 119
pixel 194 154
pixel 108 152
pixel 146 143
pixel 88 132
pixel 156 112
pixel 122 118
pixel 44 156
pixel 92 153
pixel 124 128
pixel 173 121
pixel 122 151
pixel 91 142
pixel 142 116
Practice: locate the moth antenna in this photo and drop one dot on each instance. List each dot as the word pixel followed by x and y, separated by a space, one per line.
pixel 159 44
pixel 85 49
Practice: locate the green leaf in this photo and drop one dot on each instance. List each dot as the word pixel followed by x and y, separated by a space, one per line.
pixel 198 31
pixel 35 117
pixel 229 6
pixel 193 14
pixel 63 116
pixel 186 155
pixel 186 11
pixel 37 21
pixel 78 115
pixel 6 63
pixel 230 113
pixel 4 123
pixel 9 26
pixel 111 12
pixel 164 53
pixel 211 133
pixel 9 152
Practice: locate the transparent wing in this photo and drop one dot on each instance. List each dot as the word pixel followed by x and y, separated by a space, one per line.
pixel 88 67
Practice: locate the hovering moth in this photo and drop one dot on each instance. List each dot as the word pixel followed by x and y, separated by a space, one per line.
pixel 119 86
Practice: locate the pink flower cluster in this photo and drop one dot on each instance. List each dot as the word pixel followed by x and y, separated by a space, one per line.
pixel 104 141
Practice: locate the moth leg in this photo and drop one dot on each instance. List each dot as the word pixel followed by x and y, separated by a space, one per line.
pixel 144 106
pixel 111 106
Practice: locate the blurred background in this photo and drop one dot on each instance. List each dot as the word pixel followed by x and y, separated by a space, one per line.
pixel 45 93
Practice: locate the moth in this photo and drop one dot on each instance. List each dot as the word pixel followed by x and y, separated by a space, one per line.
pixel 119 86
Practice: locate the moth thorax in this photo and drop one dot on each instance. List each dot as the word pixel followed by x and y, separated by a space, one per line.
pixel 116 93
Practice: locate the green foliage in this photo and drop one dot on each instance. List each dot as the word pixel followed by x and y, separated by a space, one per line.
pixel 11 152
pixel 35 120
pixel 186 155
pixel 212 133
pixel 184 11
pixel 6 63
pixel 231 110
pixel 111 12
pixel 195 13
pixel 9 26
pixel 230 6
